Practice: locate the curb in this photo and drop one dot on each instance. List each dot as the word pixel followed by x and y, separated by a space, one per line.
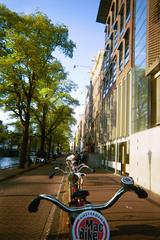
pixel 48 225
pixel 19 172
pixel 59 227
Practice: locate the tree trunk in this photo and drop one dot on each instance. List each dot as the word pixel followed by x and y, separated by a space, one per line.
pixel 49 147
pixel 24 146
pixel 42 146
pixel 43 133
pixel 43 142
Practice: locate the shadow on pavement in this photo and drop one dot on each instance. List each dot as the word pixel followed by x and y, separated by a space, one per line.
pixel 63 236
pixel 136 229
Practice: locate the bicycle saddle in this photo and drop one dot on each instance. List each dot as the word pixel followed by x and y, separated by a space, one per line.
pixel 81 193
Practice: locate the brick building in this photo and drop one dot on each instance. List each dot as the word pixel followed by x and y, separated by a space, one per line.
pixel 131 89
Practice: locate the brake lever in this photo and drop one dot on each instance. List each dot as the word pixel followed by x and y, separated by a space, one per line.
pixel 140 192
pixel 33 206
pixel 52 175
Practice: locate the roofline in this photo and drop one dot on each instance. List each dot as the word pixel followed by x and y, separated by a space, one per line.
pixel 103 11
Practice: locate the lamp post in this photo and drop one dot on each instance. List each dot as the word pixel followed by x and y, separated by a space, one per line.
pixel 83 66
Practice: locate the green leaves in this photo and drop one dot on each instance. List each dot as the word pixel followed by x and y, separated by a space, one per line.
pixel 34 83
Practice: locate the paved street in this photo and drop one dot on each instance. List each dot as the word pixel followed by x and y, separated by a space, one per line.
pixel 16 223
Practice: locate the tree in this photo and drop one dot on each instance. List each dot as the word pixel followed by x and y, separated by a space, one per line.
pixel 52 102
pixel 3 133
pixel 50 121
pixel 28 44
pixel 61 137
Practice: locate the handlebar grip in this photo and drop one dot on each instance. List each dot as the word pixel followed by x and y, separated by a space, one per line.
pixel 33 206
pixel 52 175
pixel 141 193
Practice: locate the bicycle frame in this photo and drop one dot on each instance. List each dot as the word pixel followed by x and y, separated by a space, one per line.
pixel 88 221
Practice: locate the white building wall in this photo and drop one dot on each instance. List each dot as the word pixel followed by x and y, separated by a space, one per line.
pixel 145 158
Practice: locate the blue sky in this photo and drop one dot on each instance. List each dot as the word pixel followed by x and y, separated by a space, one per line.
pixel 80 18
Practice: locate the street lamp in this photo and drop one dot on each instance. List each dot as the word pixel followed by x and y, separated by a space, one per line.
pixel 83 66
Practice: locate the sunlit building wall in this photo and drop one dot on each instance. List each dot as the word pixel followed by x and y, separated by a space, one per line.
pixel 144 145
pixel 131 89
pixel 76 140
pixel 118 61
pixel 96 82
pixel 87 119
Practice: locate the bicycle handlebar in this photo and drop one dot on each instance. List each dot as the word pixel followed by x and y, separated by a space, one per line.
pixel 75 171
pixel 127 185
pixel 57 169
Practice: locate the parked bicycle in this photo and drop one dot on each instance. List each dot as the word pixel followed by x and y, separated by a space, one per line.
pixel 77 197
pixel 88 221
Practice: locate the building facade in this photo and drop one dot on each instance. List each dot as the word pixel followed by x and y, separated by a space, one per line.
pixel 131 89
pixel 96 99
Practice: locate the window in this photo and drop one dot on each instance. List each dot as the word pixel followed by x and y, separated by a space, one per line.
pixel 106 57
pixel 155 100
pixel 121 57
pixel 113 13
pixel 114 70
pixel 127 11
pixel 122 21
pixel 106 33
pixel 116 7
pixel 140 87
pixel 106 85
pixel 126 56
pixel 115 37
pixel 158 100
pixel 108 23
pixel 111 45
pixel 140 100
pixel 110 78
pixel 112 152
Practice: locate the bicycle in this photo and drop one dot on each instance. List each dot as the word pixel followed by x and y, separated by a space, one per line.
pixel 77 197
pixel 88 221
pixel 75 177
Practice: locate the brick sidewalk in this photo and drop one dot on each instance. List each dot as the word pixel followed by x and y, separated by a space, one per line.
pixel 102 186
pixel 18 188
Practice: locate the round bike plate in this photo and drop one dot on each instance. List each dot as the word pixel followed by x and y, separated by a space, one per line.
pixel 90 225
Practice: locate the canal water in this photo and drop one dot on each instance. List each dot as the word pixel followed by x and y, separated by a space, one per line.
pixel 8 162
